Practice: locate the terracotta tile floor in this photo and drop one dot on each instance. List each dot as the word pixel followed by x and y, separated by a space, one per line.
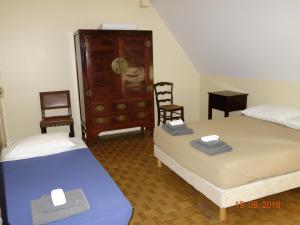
pixel 160 197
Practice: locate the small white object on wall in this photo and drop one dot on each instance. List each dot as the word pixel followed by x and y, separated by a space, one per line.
pixel 118 26
pixel 144 3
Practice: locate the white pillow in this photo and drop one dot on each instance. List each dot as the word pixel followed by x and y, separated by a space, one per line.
pixel 272 113
pixel 293 122
pixel 38 145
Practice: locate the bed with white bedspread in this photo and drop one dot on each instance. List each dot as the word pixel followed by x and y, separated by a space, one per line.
pixel 264 161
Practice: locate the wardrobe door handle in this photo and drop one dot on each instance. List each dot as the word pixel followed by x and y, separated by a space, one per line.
pixel 89 93
pixel 147 44
pixel 119 65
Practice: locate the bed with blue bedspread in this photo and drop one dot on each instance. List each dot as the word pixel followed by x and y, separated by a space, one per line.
pixel 29 179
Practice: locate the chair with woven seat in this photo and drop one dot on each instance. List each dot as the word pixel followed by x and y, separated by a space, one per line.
pixel 56 100
pixel 166 110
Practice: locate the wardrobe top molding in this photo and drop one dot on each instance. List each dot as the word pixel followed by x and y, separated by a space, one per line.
pixel 128 32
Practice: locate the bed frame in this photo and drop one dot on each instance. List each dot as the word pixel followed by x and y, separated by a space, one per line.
pixel 3 213
pixel 225 198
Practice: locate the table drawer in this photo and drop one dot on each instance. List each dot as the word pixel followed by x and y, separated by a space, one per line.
pixel 237 103
pixel 218 102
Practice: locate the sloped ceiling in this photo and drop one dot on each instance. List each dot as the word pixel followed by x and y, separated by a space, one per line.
pixel 247 38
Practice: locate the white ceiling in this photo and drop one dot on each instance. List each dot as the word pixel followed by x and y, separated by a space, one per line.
pixel 247 38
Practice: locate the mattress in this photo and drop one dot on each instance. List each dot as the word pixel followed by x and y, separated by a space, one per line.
pixel 260 149
pixel 29 179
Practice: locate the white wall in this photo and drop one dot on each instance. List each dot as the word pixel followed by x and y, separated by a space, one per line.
pixel 243 38
pixel 37 54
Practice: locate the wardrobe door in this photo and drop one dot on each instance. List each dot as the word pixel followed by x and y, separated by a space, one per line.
pixel 103 83
pixel 137 51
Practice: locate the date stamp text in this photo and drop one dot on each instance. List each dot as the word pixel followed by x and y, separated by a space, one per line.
pixel 258 204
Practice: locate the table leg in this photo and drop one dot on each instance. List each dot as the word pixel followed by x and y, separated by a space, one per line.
pixel 209 113
pixel 226 113
pixel 165 117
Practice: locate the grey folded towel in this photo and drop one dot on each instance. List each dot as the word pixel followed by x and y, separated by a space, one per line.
pixel 211 144
pixel 176 127
pixel 175 132
pixel 73 199
pixel 43 211
pixel 216 147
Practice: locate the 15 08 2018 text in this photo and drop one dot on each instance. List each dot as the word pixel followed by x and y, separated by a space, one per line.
pixel 258 204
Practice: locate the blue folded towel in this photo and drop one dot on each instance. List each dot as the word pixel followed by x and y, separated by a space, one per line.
pixel 43 211
pixel 180 131
pixel 211 147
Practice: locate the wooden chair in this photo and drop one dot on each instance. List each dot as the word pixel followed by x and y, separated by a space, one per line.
pixel 56 100
pixel 166 110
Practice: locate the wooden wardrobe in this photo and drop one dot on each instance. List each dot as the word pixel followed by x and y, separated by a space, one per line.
pixel 115 80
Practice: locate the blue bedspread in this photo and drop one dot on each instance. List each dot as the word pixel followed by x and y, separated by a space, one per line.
pixel 29 179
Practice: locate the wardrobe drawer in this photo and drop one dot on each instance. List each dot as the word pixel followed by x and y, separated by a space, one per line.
pixel 142 104
pixel 122 118
pixel 120 106
pixel 100 108
pixel 101 120
pixel 140 115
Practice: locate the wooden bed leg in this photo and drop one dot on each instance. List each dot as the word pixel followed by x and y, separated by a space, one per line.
pixel 158 163
pixel 222 214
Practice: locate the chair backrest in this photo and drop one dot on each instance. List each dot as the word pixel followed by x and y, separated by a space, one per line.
pixel 55 100
pixel 163 93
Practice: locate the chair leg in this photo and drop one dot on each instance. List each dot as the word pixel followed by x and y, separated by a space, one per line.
pixel 71 134
pixel 165 117
pixel 182 114
pixel 151 129
pixel 43 130
pixel 82 133
pixel 158 117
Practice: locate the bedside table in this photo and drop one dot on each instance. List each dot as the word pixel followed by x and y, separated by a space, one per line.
pixel 226 101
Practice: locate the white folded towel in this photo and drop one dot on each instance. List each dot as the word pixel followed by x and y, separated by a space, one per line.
pixel 176 122
pixel 210 138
